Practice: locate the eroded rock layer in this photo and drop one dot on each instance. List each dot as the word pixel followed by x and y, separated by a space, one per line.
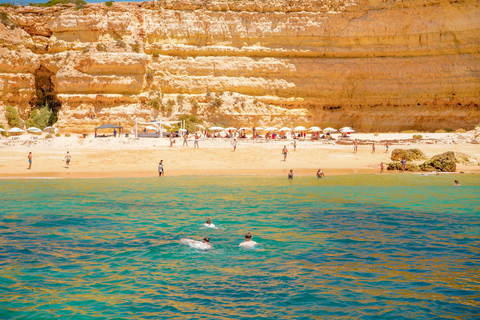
pixel 374 65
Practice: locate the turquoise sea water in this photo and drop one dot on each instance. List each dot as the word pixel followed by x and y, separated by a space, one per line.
pixel 354 246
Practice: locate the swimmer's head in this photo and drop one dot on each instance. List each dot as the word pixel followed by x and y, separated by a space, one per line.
pixel 456 181
pixel 206 240
pixel 209 221
pixel 248 236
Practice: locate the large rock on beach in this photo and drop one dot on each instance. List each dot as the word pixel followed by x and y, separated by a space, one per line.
pixel 445 162
pixel 465 159
pixel 409 154
pixel 396 165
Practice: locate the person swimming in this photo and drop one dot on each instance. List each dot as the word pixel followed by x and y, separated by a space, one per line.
pixel 202 245
pixel 208 224
pixel 248 243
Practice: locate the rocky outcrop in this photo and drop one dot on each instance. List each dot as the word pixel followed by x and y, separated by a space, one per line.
pixel 375 65
pixel 408 154
pixel 445 162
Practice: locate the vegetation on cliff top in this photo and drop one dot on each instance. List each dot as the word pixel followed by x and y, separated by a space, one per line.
pixel 79 4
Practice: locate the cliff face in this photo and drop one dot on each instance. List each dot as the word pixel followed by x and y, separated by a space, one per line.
pixel 374 65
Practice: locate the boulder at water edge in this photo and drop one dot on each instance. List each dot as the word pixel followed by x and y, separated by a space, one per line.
pixel 409 154
pixel 396 165
pixel 444 162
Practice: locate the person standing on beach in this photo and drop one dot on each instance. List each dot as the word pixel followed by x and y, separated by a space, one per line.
pixel 185 142
pixel 114 133
pixel 68 158
pixel 381 167
pixel 160 169
pixel 172 141
pixel 234 144
pixel 290 174
pixel 373 147
pixel 320 174
pixel 355 145
pixel 386 147
pixel 294 145
pixel 404 164
pixel 285 152
pixel 29 160
pixel 195 143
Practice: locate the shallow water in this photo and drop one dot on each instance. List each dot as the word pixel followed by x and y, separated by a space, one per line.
pixel 355 246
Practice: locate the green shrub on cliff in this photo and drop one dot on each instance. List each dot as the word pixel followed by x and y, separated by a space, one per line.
pixel 3 133
pixel 79 4
pixel 40 118
pixel 13 118
pixel 109 3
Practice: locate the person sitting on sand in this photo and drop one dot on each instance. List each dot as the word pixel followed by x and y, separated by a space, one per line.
pixel 208 223
pixel 290 174
pixel 248 243
pixel 320 174
pixel 457 183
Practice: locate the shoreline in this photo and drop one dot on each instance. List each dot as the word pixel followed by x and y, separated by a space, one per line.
pixel 130 158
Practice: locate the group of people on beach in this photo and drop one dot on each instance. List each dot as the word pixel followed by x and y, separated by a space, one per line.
pixel 67 159
pixel 206 245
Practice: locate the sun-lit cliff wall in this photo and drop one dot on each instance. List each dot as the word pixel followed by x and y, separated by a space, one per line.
pixel 375 65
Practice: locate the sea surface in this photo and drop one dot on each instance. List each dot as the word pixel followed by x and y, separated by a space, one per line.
pixel 344 247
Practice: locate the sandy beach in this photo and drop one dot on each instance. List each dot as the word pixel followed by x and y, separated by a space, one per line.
pixel 129 157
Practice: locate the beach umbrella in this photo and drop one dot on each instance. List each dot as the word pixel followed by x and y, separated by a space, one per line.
pixel 151 128
pixel 271 129
pixel 1 130
pixel 230 129
pixel 343 130
pixel 216 128
pixel 34 130
pixel 49 129
pixel 300 128
pixel 329 129
pixel 245 128
pixel 314 129
pixel 15 130
pixel 285 129
pixel 259 128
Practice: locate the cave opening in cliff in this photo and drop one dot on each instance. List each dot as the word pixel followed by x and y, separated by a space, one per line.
pixel 45 93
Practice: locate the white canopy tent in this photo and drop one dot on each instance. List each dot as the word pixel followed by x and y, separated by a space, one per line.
pixel 156 123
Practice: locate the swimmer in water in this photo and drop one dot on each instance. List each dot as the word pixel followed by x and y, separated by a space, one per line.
pixel 457 183
pixel 202 245
pixel 248 243
pixel 320 174
pixel 208 223
pixel 290 174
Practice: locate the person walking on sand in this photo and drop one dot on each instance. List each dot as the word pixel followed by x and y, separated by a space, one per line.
pixel 195 142
pixel 404 164
pixel 294 145
pixel 68 158
pixel 386 147
pixel 285 152
pixel 381 167
pixel 160 169
pixel 185 142
pixel 172 141
pixel 234 144
pixel 320 174
pixel 373 147
pixel 29 160
pixel 290 174
pixel 355 145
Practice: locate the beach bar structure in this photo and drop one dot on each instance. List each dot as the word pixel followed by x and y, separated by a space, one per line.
pixel 110 126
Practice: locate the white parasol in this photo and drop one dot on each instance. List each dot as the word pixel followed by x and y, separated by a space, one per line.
pixel 271 129
pixel 285 129
pixel 300 128
pixel 216 128
pixel 314 129
pixel 15 130
pixel 34 130
pixel 329 129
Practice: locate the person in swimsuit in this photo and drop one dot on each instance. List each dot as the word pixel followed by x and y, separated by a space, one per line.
pixel 355 146
pixel 320 174
pixel 68 158
pixel 284 152
pixel 373 147
pixel 160 169
pixel 290 174
pixel 208 223
pixel 457 183
pixel 404 164
pixel 248 243
pixel 172 141
pixel 29 160
pixel 195 143
pixel 381 167
pixel 294 145
pixel 234 143
pixel 386 147
pixel 185 142
pixel 204 245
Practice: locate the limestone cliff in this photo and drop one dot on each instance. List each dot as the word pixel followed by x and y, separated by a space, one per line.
pixel 377 65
